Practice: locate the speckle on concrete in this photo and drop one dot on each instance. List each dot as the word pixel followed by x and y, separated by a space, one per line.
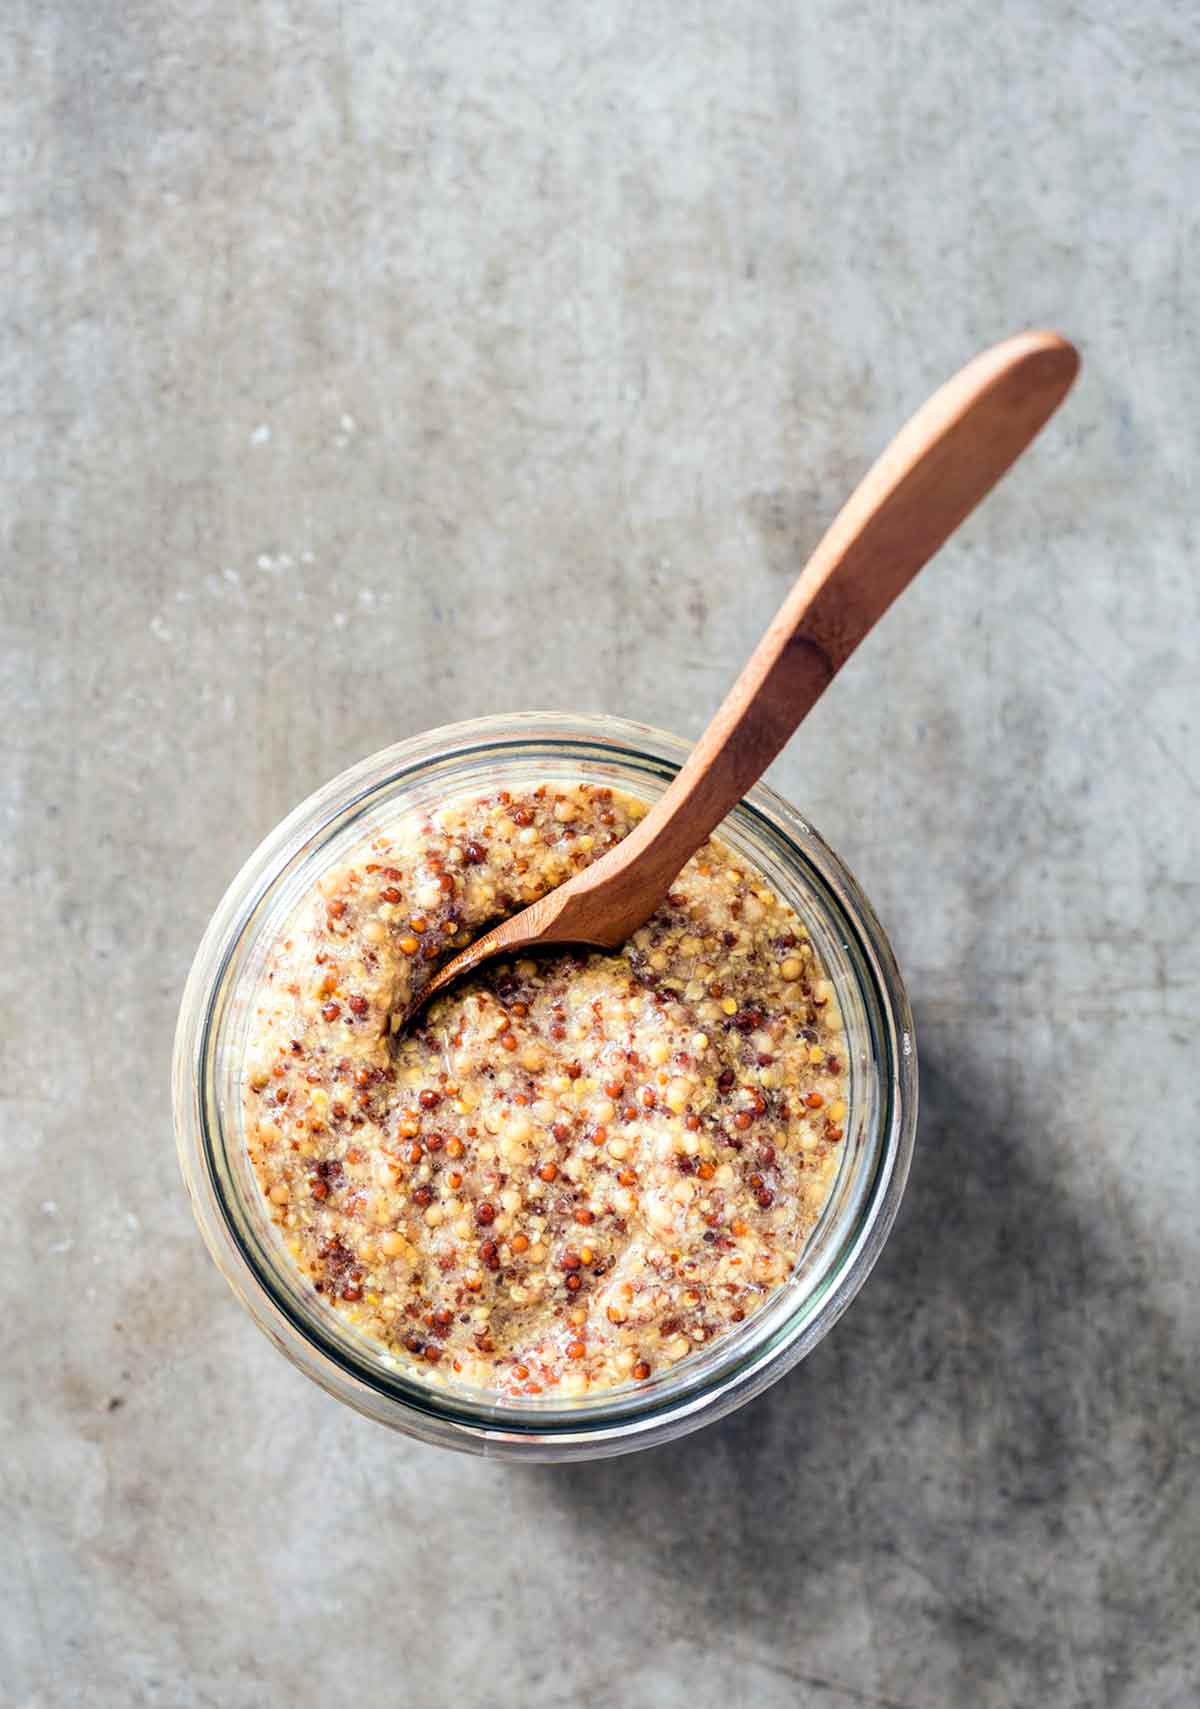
pixel 370 366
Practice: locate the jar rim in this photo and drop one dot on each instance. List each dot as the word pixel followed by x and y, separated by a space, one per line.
pixel 579 1427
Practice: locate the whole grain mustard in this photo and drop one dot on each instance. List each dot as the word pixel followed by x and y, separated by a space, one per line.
pixel 574 1170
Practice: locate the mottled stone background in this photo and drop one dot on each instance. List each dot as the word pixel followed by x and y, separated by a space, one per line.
pixel 368 365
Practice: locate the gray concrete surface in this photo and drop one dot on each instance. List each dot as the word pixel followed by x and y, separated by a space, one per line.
pixel 367 366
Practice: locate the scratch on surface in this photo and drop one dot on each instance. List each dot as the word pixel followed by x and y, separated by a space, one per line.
pixel 696 664
pixel 1062 633
pixel 959 1610
pixel 835 1688
pixel 39 1620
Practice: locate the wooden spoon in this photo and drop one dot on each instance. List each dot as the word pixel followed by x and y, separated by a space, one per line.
pixel 934 472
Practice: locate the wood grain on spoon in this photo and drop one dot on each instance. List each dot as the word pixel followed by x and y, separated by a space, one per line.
pixel 932 475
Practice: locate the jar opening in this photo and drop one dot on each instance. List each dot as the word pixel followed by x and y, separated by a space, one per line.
pixel 839 1251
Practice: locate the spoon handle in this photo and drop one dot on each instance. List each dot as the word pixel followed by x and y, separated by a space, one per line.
pixel 931 476
pixel 936 470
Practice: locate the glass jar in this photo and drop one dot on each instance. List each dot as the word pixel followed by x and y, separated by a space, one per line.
pixel 511 752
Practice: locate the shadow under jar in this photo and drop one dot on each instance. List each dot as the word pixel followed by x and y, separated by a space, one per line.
pixel 517 752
